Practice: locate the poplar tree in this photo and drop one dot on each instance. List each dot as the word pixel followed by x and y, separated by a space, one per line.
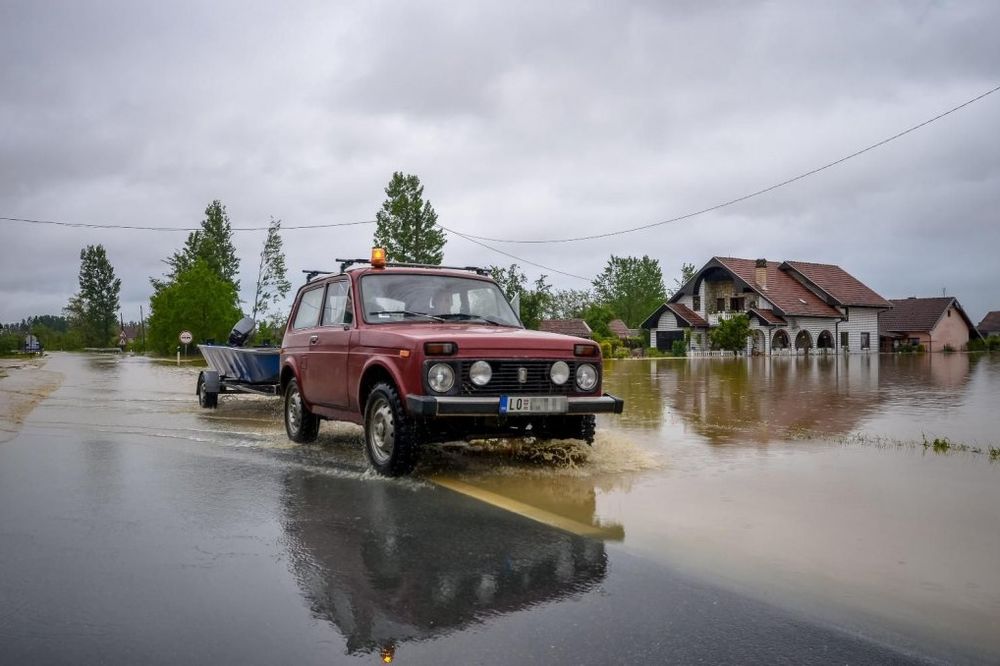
pixel 213 244
pixel 407 225
pixel 272 280
pixel 95 306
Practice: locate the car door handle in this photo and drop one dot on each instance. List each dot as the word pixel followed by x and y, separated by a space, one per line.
pixel 313 339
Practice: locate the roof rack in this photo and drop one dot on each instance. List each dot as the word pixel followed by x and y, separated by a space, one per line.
pixel 311 275
pixel 348 263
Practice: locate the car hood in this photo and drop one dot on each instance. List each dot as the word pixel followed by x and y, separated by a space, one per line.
pixel 473 338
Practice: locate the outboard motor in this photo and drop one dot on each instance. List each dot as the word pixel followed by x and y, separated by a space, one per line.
pixel 241 332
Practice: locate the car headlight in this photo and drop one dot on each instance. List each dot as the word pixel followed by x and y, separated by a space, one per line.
pixel 586 377
pixel 559 373
pixel 441 377
pixel 480 373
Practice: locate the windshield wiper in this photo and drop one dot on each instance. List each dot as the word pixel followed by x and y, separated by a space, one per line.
pixel 405 313
pixel 470 317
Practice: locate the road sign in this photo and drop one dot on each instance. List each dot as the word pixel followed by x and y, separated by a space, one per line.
pixel 186 337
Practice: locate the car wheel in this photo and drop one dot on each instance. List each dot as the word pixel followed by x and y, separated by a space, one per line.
pixel 301 424
pixel 390 436
pixel 207 399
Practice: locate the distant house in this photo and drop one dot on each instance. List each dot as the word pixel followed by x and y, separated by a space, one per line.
pixel 793 306
pixel 990 325
pixel 931 322
pixel 576 327
pixel 621 330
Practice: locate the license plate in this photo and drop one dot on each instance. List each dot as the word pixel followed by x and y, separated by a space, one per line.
pixel 535 404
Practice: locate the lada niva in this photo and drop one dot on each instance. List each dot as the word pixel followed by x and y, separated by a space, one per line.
pixel 420 354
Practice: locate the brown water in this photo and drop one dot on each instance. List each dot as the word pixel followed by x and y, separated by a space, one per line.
pixel 802 481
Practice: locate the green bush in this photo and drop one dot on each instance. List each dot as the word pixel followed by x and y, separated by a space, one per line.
pixel 678 348
pixel 948 349
pixel 621 352
pixel 606 349
pixel 992 343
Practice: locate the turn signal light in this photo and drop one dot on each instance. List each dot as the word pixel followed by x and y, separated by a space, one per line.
pixel 584 350
pixel 378 257
pixel 440 348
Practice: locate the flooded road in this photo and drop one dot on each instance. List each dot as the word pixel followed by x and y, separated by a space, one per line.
pixel 741 511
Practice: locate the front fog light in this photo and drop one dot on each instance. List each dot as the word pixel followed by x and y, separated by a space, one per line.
pixel 586 377
pixel 441 377
pixel 559 373
pixel 480 373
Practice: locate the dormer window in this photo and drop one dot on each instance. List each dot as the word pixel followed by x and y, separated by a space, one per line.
pixel 696 302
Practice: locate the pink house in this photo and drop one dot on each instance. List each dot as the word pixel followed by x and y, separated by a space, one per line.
pixel 935 323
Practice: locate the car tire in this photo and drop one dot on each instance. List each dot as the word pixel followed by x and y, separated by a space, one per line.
pixel 301 424
pixel 390 434
pixel 207 399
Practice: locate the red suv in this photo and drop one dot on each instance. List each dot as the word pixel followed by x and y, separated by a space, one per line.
pixel 420 354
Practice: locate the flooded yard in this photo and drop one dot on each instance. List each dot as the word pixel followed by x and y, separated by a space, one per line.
pixel 815 483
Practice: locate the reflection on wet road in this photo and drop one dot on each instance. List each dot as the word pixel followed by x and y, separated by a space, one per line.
pixel 719 519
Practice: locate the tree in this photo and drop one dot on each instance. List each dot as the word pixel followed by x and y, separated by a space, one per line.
pixel 568 303
pixel 687 272
pixel 597 317
pixel 534 301
pixel 407 225
pixel 213 244
pixel 272 280
pixel 198 300
pixel 631 287
pixel 731 334
pixel 95 307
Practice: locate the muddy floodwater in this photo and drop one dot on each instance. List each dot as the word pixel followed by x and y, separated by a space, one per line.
pixel 860 493
pixel 816 483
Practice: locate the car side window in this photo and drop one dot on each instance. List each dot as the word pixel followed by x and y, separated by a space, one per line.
pixel 338 308
pixel 308 313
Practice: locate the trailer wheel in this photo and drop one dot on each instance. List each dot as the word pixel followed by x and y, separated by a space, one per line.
pixel 301 424
pixel 390 434
pixel 207 399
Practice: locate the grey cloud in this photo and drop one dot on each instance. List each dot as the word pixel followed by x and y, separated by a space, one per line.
pixel 521 119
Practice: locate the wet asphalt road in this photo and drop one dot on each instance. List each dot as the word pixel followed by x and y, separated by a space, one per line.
pixel 134 530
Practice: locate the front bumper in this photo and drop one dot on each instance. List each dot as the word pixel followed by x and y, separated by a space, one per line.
pixel 429 405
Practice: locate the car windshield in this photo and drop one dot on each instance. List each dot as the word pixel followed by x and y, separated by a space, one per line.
pixel 412 297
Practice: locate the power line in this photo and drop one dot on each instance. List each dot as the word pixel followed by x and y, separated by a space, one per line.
pixel 135 227
pixel 508 254
pixel 745 196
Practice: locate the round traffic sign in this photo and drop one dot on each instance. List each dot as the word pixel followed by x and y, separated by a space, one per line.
pixel 186 337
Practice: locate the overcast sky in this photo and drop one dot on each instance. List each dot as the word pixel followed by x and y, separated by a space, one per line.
pixel 522 120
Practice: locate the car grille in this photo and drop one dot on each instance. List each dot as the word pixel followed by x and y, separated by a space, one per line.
pixel 505 379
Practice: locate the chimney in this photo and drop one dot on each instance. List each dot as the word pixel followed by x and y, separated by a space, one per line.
pixel 760 273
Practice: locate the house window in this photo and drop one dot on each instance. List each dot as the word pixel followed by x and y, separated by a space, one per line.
pixel 736 304
pixel 865 341
pixel 720 305
pixel 845 340
pixel 949 312
pixel 696 302
pixel 914 341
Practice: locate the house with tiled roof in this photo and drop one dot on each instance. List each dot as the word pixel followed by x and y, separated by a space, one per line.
pixel 793 306
pixel 990 325
pixel 934 323
pixel 575 327
pixel 621 330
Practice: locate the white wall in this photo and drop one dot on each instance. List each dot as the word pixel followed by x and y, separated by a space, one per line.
pixel 860 320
